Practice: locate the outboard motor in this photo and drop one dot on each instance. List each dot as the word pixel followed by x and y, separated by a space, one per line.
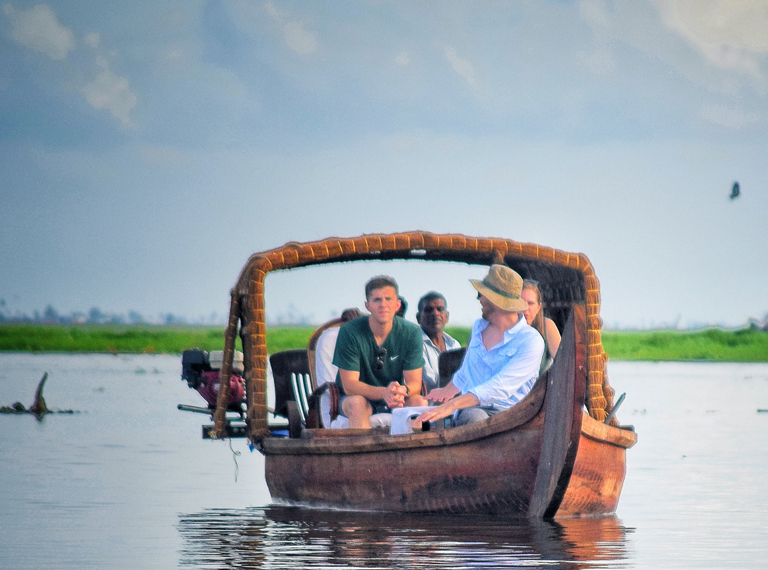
pixel 201 371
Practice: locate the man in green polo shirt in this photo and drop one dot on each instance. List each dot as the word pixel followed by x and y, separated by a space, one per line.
pixel 379 357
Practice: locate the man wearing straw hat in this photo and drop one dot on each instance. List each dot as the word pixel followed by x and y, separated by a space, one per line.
pixel 502 359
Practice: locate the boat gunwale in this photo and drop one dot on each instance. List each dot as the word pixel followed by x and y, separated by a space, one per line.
pixel 605 433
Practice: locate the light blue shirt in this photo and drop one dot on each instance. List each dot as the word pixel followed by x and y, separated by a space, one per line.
pixel 502 376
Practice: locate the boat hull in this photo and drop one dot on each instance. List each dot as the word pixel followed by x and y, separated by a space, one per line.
pixel 491 475
pixel 599 470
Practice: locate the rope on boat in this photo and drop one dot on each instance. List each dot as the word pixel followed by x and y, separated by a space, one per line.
pixel 235 455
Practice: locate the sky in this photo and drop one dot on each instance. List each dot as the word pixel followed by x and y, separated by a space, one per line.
pixel 147 149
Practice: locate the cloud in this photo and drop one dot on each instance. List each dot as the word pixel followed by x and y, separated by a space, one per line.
pixel 728 117
pixel 272 10
pixel 461 66
pixel 730 35
pixel 111 92
pixel 298 39
pixel 39 29
pixel 296 36
pixel 403 58
pixel 594 12
pixel 92 39
pixel 600 60
pixel 717 43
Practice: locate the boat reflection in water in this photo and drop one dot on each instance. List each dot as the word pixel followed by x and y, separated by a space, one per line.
pixel 285 537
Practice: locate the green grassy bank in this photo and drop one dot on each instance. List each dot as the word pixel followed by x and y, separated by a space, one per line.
pixel 108 338
pixel 744 345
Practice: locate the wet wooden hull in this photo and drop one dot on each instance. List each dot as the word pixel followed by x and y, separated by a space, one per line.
pixel 599 470
pixel 491 474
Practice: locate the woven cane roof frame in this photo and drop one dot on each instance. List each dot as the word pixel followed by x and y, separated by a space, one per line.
pixel 564 278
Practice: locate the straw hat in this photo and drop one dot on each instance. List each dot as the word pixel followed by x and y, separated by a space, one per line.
pixel 502 287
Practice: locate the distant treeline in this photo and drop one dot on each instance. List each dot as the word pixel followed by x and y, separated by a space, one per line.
pixel 94 316
pixel 744 345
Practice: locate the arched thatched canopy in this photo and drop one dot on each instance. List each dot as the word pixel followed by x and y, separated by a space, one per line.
pixel 565 279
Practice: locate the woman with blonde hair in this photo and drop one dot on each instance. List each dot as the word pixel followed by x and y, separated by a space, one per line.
pixel 535 317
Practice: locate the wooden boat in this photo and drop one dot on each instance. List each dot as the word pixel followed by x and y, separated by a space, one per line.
pixel 550 455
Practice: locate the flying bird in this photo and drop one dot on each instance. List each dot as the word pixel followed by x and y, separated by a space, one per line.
pixel 735 191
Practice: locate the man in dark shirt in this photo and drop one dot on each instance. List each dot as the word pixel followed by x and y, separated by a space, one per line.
pixel 379 357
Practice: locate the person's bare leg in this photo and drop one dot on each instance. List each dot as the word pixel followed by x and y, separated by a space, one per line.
pixel 358 411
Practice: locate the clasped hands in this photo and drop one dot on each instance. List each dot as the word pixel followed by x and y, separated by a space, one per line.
pixel 395 395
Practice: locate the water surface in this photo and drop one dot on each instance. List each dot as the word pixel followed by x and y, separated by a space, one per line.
pixel 128 483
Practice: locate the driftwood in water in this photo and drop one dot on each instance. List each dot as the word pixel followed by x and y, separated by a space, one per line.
pixel 38 407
